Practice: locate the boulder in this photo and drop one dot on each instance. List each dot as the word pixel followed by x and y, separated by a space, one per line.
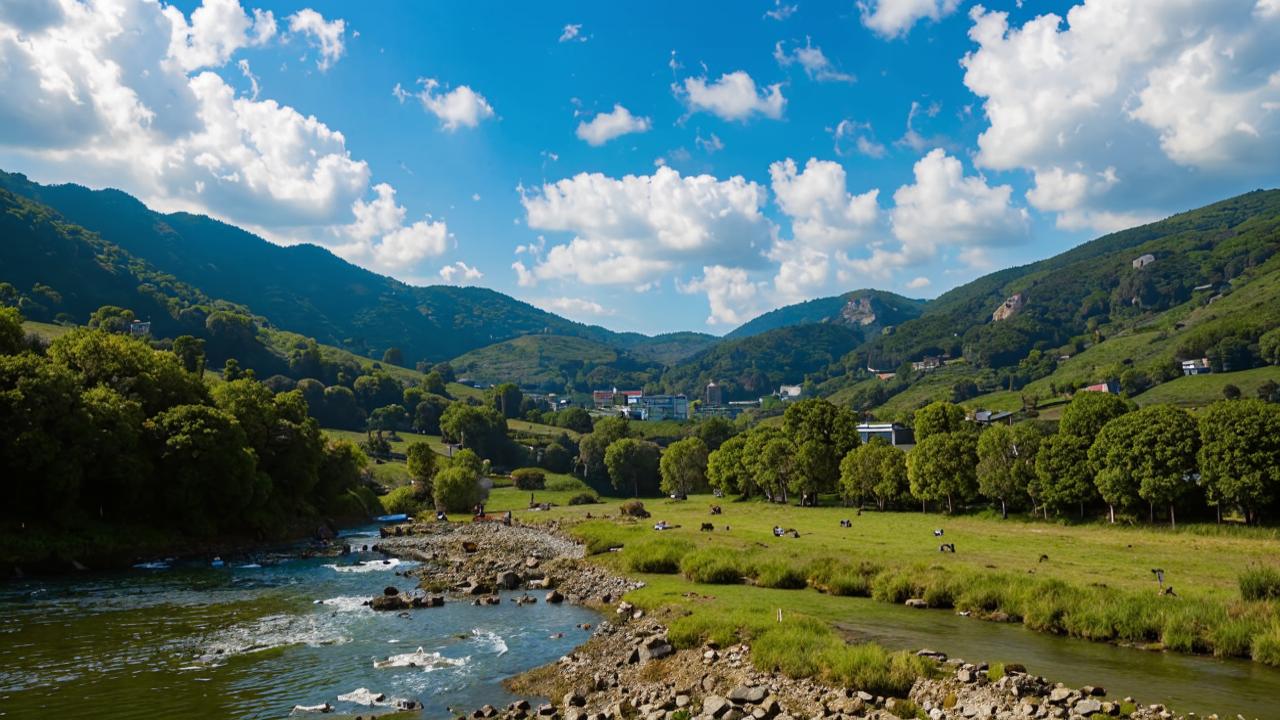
pixel 715 706
pixel 531 563
pixel 507 580
pixel 554 597
pixel 916 603
pixel 655 648
pixel 390 602
pixel 744 694
pixel 1087 707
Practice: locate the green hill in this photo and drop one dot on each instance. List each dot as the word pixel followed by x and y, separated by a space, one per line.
pixel 868 310
pixel 552 363
pixel 308 290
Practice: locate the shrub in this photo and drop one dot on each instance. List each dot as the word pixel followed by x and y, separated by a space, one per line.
pixel 401 500
pixel 837 578
pixel 1266 645
pixel 713 567
pixel 780 575
pixel 1260 583
pixel 585 498
pixel 634 508
pixel 457 489
pixel 529 479
pixel 658 556
pixel 894 586
pixel 804 647
pixel 567 484
pixel 1233 636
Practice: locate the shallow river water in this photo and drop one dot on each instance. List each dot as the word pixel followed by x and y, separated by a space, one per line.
pixel 246 641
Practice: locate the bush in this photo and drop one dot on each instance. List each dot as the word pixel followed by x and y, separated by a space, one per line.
pixel 457 489
pixel 585 498
pixel 567 484
pixel 633 508
pixel 780 575
pixel 529 479
pixel 401 500
pixel 841 579
pixel 1260 583
pixel 1266 645
pixel 713 567
pixel 658 556
pixel 804 647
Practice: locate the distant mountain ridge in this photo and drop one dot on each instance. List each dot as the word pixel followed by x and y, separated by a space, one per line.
pixel 307 289
pixel 870 310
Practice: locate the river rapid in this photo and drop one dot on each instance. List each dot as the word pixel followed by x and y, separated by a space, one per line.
pixel 257 636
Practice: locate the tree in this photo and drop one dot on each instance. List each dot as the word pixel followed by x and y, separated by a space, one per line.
pixel 341 467
pixel 506 399
pixel 445 371
pixel 725 469
pixel 341 409
pixel 12 337
pixel 823 434
pixel 938 417
pixel 427 414
pixel 377 390
pixel 210 474
pixel 876 469
pixel 1148 454
pixel 422 468
pixel 592 448
pixel 457 489
pixel 481 429
pixel 574 418
pixel 529 479
pixel 1088 412
pixel 112 319
pixel 393 356
pixel 633 465
pixel 1269 391
pixel 684 467
pixel 40 411
pixel 392 417
pixel 231 370
pixel 1006 462
pixel 557 458
pixel 285 441
pixel 190 352
pixel 1239 455
pixel 130 367
pixel 1063 477
pixel 775 467
pixel 1230 392
pixel 714 431
pixel 435 383
pixel 942 467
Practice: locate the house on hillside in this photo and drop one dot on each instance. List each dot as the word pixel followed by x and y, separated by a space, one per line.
pixel 893 433
pixel 1109 386
pixel 928 364
pixel 661 407
pixel 605 399
pixel 991 417
pixel 1199 366
pixel 138 328
pixel 1143 260
pixel 714 396
pixel 787 393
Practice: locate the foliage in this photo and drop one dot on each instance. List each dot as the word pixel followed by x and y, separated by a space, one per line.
pixel 633 466
pixel 457 488
pixel 401 500
pixel 592 448
pixel 1260 583
pixel 422 462
pixel 824 434
pixel 938 417
pixel 585 498
pixel 1006 462
pixel 1088 412
pixel 876 469
pixel 726 471
pixel 529 479
pixel 683 467
pixel 1063 478
pixel 1239 457
pixel 481 429
pixel 942 467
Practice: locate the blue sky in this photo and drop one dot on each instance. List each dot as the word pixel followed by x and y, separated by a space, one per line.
pixel 656 167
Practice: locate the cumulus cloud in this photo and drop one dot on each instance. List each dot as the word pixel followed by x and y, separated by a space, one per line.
pixel 733 96
pixel 919 282
pixel 459 107
pixel 781 11
pixel 575 307
pixel 607 126
pixel 326 36
pixel 118 95
pixel 1174 100
pixel 816 64
pixel 640 228
pixel 571 33
pixel 893 18
pixel 734 298
pixel 459 272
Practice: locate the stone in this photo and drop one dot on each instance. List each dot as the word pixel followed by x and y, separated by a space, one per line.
pixel 390 603
pixel 531 563
pixel 744 694
pixel 917 603
pixel 1087 707
pixel 655 648
pixel 554 597
pixel 507 580
pixel 1093 691
pixel 1060 695
pixel 546 710
pixel 574 699
pixel 682 701
pixel 714 706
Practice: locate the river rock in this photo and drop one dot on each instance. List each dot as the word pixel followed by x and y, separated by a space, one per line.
pixel 655 648
pixel 1087 707
pixel 390 603
pixel 744 694
pixel 916 603
pixel 554 597
pixel 507 580
pixel 715 706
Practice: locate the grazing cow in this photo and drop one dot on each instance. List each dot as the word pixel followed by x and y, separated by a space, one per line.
pixel 846 523
pixel 708 527
pixel 947 547
pixel 1044 558
pixel 937 533
pixel 715 510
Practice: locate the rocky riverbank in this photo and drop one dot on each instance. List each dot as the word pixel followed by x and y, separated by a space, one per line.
pixel 629 670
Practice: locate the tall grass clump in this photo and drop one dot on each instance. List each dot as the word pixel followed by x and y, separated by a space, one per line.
pixel 780 575
pixel 895 586
pixel 600 535
pixel 1260 583
pixel 714 567
pixel 842 579
pixel 1266 645
pixel 723 628
pixel 804 647
pixel 658 556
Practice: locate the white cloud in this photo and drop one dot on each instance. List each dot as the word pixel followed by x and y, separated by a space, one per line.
pixel 734 298
pixel 816 65
pixel 460 272
pixel 912 137
pixel 782 11
pixel 710 145
pixel 732 97
pixel 571 33
pixel 919 282
pixel 323 35
pixel 824 215
pixel 245 70
pixel 456 108
pixel 217 29
pixel 892 18
pixel 607 126
pixel 575 307
pixel 109 100
pixel 861 136
pixel 637 229
pixel 1179 99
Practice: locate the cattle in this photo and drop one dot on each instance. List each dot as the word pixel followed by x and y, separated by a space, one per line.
pixel 708 527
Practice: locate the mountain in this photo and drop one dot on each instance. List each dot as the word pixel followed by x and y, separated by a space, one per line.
pixel 870 310
pixel 307 289
pixel 551 363
pixel 747 368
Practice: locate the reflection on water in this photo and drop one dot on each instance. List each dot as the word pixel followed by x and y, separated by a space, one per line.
pixel 1185 683
pixel 251 642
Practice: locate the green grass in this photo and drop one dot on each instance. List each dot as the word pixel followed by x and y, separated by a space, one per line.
pixel 531 360
pixel 1201 390
pixel 550 431
pixel 48 331
pixel 459 391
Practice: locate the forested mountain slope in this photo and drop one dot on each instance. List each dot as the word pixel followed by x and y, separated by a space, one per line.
pixel 868 310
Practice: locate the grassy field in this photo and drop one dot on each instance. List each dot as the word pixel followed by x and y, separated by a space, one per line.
pixel 551 431
pixel 1094 581
pixel 1200 390
pixel 48 331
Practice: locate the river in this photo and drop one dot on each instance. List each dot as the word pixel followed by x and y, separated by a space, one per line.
pixel 256 637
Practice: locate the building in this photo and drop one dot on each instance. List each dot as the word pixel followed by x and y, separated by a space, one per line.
pixel 728 412
pixel 886 376
pixel 605 399
pixel 714 396
pixel 928 364
pixel 787 393
pixel 991 417
pixel 138 328
pixel 893 433
pixel 1143 260
pixel 1107 387
pixel 1009 307
pixel 662 407
pixel 602 399
pixel 1199 366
